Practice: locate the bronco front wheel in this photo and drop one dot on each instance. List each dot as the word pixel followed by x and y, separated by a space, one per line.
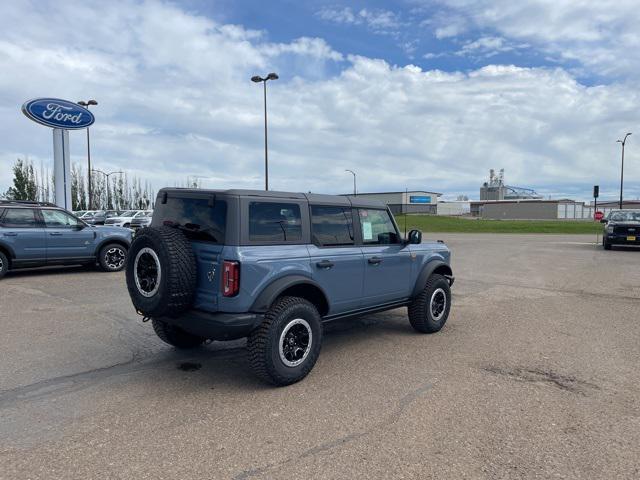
pixel 285 347
pixel 428 312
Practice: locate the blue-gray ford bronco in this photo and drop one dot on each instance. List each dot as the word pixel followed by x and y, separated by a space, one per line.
pixel 274 266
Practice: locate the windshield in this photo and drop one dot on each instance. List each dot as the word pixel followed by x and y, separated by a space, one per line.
pixel 128 213
pixel 625 216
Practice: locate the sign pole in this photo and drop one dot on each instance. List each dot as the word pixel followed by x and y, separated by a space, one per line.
pixel 62 168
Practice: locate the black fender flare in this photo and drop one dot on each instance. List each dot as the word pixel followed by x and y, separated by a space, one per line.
pixel 427 271
pixel 273 290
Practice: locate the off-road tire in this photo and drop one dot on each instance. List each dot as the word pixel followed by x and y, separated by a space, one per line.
pixel 103 261
pixel 177 285
pixel 4 264
pixel 606 245
pixel 263 342
pixel 420 313
pixel 175 336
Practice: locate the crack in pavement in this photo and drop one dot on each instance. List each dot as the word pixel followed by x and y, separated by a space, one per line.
pixel 538 375
pixel 66 384
pixel 393 418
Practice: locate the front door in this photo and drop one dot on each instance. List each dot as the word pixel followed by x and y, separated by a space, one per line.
pixel 67 237
pixel 336 261
pixel 387 261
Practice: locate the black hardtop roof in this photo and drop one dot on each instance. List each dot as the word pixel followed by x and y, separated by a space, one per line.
pixel 312 198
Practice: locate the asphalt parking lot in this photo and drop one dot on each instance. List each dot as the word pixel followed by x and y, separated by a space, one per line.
pixel 536 375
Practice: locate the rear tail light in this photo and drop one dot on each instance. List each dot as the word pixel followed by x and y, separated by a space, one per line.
pixel 230 278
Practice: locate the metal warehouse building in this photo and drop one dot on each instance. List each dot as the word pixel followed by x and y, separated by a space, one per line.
pixel 532 210
pixel 413 201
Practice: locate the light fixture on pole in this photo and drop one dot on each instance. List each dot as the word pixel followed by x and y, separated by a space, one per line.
pixel 86 105
pixel 107 175
pixel 623 141
pixel 355 190
pixel 258 79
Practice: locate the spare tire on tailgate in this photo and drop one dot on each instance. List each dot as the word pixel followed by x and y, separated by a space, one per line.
pixel 161 272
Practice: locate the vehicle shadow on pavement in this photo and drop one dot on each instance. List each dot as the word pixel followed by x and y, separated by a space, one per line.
pixel 53 270
pixel 229 366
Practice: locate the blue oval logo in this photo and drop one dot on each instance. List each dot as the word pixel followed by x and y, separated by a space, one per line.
pixel 57 113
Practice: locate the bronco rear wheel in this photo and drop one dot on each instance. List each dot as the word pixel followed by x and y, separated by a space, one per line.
pixel 285 347
pixel 161 272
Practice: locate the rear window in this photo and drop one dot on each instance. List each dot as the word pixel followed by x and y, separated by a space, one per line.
pixel 275 222
pixel 19 218
pixel 331 226
pixel 194 216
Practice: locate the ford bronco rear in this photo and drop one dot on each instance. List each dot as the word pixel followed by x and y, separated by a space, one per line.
pixel 275 266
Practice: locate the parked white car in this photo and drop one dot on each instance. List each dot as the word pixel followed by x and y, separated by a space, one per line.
pixel 124 219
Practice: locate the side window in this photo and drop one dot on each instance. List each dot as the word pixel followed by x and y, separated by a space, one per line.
pixel 377 227
pixel 274 222
pixel 58 219
pixel 331 226
pixel 19 218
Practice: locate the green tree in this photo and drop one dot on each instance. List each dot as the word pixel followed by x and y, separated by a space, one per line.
pixel 24 182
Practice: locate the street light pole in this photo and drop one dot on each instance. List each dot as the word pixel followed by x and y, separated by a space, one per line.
pixel 354 180
pixel 258 79
pixel 107 175
pixel 623 141
pixel 86 105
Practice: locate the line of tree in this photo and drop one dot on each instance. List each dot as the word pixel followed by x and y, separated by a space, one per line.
pixel 125 192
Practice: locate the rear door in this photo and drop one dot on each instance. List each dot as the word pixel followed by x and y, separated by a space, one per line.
pixel 202 218
pixel 23 232
pixel 387 261
pixel 67 238
pixel 336 262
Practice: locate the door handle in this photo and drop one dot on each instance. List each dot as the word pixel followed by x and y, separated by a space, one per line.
pixel 326 264
pixel 10 234
pixel 375 260
pixel 56 234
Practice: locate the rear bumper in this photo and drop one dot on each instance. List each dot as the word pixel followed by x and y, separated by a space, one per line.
pixel 217 326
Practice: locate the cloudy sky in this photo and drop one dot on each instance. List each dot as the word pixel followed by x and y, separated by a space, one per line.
pixel 418 94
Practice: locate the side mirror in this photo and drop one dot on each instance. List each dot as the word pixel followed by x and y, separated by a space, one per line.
pixel 604 220
pixel 79 226
pixel 415 237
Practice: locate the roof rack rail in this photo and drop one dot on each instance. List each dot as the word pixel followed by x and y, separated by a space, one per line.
pixel 26 202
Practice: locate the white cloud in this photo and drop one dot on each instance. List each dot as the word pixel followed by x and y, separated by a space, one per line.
pixel 488 46
pixel 377 20
pixel 601 35
pixel 176 100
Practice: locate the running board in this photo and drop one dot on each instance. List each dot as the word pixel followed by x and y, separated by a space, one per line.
pixel 361 311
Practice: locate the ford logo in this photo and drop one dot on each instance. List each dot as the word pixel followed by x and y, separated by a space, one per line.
pixel 57 113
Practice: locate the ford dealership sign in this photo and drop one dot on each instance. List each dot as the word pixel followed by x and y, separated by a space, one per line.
pixel 56 113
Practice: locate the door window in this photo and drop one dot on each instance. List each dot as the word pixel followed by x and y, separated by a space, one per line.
pixel 58 219
pixel 377 227
pixel 19 218
pixel 275 222
pixel 331 226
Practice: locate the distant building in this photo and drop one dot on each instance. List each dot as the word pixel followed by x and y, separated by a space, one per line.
pixel 455 208
pixel 413 201
pixel 495 189
pixel 532 209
